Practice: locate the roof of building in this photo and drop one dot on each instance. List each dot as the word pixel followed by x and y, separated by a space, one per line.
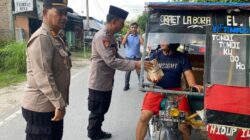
pixel 199 5
pixel 75 17
pixel 94 24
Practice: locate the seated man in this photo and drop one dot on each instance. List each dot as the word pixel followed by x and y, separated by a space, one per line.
pixel 173 65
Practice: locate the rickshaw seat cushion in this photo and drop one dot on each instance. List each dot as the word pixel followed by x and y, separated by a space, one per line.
pixel 196 103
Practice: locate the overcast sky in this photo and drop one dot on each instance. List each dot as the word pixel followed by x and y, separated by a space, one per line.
pixel 99 8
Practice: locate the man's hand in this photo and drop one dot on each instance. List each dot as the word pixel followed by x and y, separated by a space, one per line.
pixel 147 65
pixel 199 88
pixel 129 32
pixel 59 114
pixel 124 40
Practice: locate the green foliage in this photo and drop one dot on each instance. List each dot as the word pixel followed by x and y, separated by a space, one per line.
pixel 142 21
pixel 10 77
pixel 13 57
pixel 81 53
pixel 87 53
pixel 3 43
pixel 125 28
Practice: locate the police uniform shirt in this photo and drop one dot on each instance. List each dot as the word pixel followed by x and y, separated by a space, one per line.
pixel 48 72
pixel 104 61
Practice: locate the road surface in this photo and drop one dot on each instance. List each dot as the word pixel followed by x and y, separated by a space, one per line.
pixel 120 120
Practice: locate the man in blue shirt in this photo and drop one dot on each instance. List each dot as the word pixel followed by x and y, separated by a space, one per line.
pixel 132 41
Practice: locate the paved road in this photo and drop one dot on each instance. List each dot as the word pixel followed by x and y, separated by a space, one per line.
pixel 120 120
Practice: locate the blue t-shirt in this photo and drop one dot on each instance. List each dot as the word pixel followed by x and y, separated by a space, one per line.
pixel 172 66
pixel 132 46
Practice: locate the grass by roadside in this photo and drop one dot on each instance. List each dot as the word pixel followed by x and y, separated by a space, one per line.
pixel 13 63
pixel 11 77
pixel 82 53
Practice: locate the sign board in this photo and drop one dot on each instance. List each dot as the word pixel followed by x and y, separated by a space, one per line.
pixel 178 21
pixel 227 97
pixel 23 6
pixel 228 61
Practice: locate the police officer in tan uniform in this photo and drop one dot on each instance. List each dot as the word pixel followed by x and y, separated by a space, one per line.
pixel 104 61
pixel 48 75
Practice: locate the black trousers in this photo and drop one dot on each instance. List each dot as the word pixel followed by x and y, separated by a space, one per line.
pixel 128 73
pixel 40 127
pixel 98 105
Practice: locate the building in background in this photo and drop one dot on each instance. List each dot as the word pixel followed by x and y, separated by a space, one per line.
pixel 6 22
pixel 89 32
pixel 74 31
pixel 25 17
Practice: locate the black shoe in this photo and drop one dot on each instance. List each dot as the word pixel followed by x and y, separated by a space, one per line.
pixel 126 88
pixel 102 135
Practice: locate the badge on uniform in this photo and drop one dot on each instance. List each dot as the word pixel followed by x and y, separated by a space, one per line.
pixel 106 42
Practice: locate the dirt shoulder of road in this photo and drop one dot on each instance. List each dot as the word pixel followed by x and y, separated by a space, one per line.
pixel 10 96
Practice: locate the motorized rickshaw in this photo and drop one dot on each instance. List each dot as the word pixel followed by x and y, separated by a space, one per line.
pixel 215 38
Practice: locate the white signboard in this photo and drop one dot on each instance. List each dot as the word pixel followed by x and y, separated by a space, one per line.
pixel 23 5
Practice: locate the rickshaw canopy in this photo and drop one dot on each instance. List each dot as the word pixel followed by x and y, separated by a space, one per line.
pixel 198 5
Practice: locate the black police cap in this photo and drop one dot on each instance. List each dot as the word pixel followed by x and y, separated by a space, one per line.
pixel 118 12
pixel 58 4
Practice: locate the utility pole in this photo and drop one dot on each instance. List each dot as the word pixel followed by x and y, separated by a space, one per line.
pixel 87 27
pixel 87 14
pixel 12 20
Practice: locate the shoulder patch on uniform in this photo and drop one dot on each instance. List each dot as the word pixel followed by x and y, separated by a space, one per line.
pixel 106 42
pixel 53 34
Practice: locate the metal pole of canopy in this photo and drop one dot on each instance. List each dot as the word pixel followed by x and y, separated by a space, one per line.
pixel 143 55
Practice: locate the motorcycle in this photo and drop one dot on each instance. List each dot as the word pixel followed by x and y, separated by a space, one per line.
pixel 164 126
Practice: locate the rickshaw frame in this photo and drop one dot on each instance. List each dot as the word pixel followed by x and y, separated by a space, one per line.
pixel 228 7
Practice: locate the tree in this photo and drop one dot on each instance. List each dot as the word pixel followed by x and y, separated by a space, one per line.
pixel 142 21
pixel 125 28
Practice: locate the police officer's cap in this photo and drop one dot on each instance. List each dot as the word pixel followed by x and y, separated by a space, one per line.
pixel 58 4
pixel 118 12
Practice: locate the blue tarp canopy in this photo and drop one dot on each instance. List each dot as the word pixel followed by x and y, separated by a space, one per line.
pixel 199 5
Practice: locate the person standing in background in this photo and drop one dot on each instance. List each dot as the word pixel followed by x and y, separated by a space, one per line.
pixel 132 42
